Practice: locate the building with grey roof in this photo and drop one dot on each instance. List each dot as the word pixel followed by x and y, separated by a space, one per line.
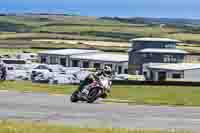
pixel 118 62
pixel 173 72
pixel 85 59
pixel 67 51
pixel 62 56
pixel 153 50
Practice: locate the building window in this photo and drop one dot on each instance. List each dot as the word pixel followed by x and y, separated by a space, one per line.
pixel 75 63
pixel 176 76
pixel 144 55
pixel 85 64
pixel 43 59
pixel 63 61
pixel 119 69
pixel 147 55
pixel 53 60
pixel 169 59
pixel 97 65
pixel 170 45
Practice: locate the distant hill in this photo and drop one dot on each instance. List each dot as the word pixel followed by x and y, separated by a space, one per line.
pixel 169 21
pixel 39 14
pixel 133 20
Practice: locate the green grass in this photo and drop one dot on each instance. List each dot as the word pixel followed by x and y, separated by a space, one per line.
pixel 24 29
pixel 92 26
pixel 158 95
pixel 152 95
pixel 28 21
pixel 122 32
pixel 25 127
pixel 31 36
pixel 139 30
pixel 28 86
pixel 7 51
pixel 84 26
pixel 61 20
pixel 193 49
pixel 184 36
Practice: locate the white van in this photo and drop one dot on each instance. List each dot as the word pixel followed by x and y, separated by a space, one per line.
pixel 14 68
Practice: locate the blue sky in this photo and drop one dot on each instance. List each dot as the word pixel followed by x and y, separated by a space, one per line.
pixel 124 8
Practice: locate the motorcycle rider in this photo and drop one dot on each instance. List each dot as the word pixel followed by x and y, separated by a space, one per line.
pixel 106 72
pixel 2 72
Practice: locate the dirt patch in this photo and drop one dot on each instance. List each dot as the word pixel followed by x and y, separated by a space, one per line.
pixel 92 43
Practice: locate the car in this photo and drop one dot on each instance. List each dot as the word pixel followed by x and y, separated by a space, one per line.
pixel 53 74
pixel 120 77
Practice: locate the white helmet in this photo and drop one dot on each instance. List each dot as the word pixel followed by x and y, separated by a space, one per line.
pixel 107 70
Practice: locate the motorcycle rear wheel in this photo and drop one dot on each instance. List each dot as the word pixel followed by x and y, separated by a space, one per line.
pixel 74 98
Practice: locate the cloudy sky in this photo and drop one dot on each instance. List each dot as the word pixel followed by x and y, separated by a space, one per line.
pixel 123 8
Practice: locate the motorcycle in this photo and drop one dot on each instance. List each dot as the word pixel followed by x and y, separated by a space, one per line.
pixel 90 93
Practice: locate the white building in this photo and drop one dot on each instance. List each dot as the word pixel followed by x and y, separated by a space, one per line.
pixel 118 62
pixel 173 72
pixel 85 59
pixel 61 57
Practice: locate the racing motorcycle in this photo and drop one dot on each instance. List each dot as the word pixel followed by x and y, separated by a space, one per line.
pixel 90 93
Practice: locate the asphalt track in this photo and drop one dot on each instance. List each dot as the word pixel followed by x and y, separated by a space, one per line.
pixel 57 109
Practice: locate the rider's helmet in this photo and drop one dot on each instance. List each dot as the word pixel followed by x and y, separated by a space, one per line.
pixel 107 71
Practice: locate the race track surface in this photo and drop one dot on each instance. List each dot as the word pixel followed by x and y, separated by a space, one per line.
pixel 58 110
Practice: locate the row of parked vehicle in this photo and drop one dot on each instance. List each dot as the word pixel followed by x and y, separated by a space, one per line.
pixel 15 69
pixel 18 69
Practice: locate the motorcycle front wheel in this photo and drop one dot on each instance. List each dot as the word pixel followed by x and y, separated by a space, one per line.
pixel 93 95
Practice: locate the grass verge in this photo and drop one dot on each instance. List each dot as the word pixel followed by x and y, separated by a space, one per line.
pixel 152 95
pixel 24 86
pixel 22 127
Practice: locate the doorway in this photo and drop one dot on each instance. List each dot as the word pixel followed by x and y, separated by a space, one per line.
pixel 162 76
pixel 75 63
pixel 119 69
pixel 63 62
pixel 86 64
pixel 43 59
